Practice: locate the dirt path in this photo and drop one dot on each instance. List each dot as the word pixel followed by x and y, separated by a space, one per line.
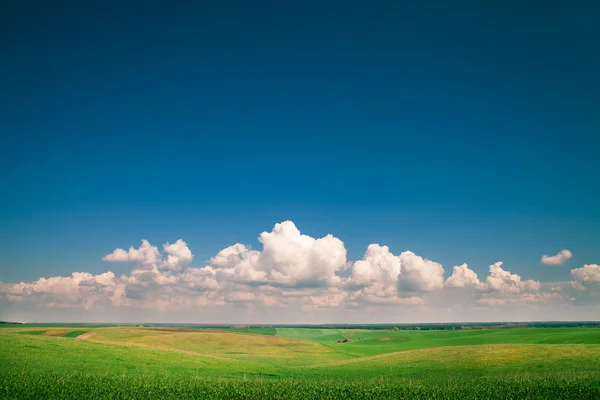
pixel 55 332
pixel 85 335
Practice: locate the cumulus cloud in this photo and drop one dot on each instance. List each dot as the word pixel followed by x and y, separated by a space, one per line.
pixel 408 272
pixel 417 274
pixel 586 276
pixel 379 267
pixel 146 254
pixel 501 288
pixel 462 277
pixel 80 288
pixel 374 278
pixel 178 254
pixel 383 278
pixel 232 255
pixel 502 281
pixel 558 259
pixel 290 271
pixel 289 258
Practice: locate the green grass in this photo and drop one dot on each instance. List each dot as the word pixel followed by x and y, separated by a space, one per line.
pixel 470 361
pixel 83 386
pixel 369 343
pixel 254 331
pixel 50 325
pixel 31 332
pixel 329 335
pixel 249 330
pixel 74 334
pixel 127 362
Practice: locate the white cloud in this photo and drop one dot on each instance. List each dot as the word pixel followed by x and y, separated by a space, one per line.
pixel 146 254
pixel 588 275
pixel 292 271
pixel 384 278
pixel 240 297
pixel 81 288
pixel 199 279
pixel 232 255
pixel 557 259
pixel 378 268
pixel 520 299
pixel 239 263
pixel 178 254
pixel 462 276
pixel 289 258
pixel 326 300
pixel 417 274
pixel 503 282
pixel 365 297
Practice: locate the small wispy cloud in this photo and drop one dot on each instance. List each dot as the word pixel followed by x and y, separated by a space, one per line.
pixel 558 259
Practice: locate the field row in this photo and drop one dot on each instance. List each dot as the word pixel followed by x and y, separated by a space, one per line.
pixel 56 333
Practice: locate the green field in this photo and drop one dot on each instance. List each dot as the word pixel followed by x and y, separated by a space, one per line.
pixel 81 362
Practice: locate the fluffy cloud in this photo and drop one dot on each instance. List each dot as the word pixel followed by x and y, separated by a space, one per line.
pixel 408 272
pixel 500 288
pixel 80 288
pixel 503 288
pixel 289 258
pixel 374 279
pixel 504 282
pixel 462 277
pixel 178 254
pixel 588 275
pixel 146 254
pixel 557 259
pixel 232 255
pixel 417 274
pixel 291 271
pixel 384 278
pixel 378 268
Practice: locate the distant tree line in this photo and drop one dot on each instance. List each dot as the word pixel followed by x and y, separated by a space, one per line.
pixel 445 326
pixel 395 327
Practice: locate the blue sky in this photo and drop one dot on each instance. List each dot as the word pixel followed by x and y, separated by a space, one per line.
pixel 464 133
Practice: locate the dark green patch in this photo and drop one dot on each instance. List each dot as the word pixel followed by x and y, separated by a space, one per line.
pixel 12 325
pixel 31 332
pixel 250 330
pixel 74 334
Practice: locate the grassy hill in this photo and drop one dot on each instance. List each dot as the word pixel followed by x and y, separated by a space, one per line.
pixel 128 362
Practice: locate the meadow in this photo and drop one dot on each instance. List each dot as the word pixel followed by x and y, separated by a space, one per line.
pixel 82 362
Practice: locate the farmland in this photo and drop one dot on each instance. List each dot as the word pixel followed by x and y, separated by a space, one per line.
pixel 290 362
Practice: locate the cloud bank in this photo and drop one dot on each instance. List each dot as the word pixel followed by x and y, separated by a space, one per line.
pixel 292 273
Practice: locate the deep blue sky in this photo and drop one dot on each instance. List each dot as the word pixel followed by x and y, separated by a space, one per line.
pixel 463 132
